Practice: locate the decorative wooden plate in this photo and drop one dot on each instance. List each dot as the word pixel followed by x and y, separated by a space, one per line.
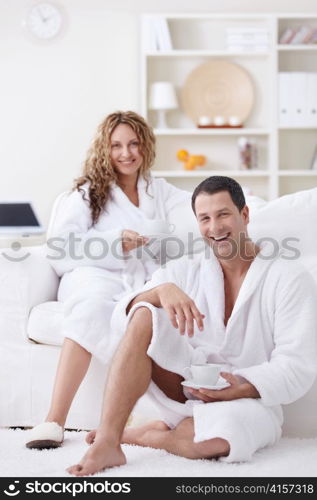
pixel 218 88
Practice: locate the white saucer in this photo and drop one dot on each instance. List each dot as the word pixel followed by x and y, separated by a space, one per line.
pixel 217 387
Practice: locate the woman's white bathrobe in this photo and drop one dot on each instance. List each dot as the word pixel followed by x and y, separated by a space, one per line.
pixel 95 272
pixel 270 340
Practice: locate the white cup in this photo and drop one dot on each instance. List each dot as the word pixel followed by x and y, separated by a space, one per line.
pixel 219 121
pixel 204 120
pixel 207 374
pixel 157 226
pixel 234 121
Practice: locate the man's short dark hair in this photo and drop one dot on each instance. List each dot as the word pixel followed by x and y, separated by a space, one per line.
pixel 218 183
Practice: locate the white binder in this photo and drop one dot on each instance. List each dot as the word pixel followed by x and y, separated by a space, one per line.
pixel 283 99
pixel 298 99
pixel 311 93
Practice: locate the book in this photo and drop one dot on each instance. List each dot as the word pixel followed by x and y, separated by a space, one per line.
pixel 304 33
pixel 247 39
pixel 149 34
pixel 313 164
pixel 313 38
pixel 163 36
pixel 287 36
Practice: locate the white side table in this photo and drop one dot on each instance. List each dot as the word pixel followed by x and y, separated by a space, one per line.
pixel 16 248
pixel 15 241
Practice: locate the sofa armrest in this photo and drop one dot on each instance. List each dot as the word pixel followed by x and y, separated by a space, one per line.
pixel 26 279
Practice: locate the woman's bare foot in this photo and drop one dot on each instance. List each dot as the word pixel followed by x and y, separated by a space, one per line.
pixel 137 435
pixel 99 456
pixel 90 438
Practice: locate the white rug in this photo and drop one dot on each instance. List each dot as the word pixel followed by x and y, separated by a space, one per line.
pixel 291 457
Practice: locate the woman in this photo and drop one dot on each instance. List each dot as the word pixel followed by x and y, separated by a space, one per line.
pixel 101 228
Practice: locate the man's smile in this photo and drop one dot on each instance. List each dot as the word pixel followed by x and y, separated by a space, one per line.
pixel 220 238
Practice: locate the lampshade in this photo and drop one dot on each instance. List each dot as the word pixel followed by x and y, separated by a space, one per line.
pixel 162 96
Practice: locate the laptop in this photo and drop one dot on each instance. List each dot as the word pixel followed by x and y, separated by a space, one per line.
pixel 19 218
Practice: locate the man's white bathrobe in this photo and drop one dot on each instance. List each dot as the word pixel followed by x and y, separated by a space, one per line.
pixel 89 258
pixel 270 340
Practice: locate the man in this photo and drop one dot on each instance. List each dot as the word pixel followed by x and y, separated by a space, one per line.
pixel 252 312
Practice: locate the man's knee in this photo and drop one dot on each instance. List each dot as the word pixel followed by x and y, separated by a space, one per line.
pixel 140 322
pixel 142 313
pixel 211 448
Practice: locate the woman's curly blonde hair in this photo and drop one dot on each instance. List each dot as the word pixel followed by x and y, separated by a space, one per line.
pixel 98 170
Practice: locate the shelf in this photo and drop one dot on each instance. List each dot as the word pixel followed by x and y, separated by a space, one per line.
pixel 295 173
pixel 206 53
pixel 302 47
pixel 297 127
pixel 195 37
pixel 219 16
pixel 211 131
pixel 208 173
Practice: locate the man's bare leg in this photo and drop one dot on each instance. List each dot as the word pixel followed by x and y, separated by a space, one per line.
pixel 170 384
pixel 72 367
pixel 179 441
pixel 128 379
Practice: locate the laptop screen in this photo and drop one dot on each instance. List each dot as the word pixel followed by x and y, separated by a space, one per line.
pixel 17 214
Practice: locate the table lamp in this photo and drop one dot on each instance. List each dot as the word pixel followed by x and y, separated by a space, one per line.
pixel 162 98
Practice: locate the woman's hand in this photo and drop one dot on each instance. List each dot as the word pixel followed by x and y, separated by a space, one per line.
pixel 181 309
pixel 132 240
pixel 238 389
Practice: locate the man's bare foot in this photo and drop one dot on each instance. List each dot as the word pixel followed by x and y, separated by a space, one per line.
pixel 137 435
pixel 99 456
pixel 153 425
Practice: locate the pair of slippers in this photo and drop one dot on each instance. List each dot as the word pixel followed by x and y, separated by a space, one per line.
pixel 46 435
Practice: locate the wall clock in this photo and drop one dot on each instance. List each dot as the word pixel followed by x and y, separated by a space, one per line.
pixel 45 20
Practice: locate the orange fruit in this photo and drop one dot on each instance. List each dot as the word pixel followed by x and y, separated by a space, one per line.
pixel 190 164
pixel 182 155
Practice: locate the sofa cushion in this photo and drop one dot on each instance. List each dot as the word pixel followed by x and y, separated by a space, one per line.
pixel 290 220
pixel 45 323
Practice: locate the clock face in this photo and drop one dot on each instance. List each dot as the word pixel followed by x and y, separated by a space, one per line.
pixel 44 20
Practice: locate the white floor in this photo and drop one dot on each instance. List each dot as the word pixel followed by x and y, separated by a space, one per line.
pixel 290 458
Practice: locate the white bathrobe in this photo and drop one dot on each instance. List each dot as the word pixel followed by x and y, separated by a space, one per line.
pixel 95 272
pixel 269 340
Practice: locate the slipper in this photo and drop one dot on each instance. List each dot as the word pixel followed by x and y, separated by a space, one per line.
pixel 46 435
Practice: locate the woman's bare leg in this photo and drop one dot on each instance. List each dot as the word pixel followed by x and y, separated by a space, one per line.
pixel 72 367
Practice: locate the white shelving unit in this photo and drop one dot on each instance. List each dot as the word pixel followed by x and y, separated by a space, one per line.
pixel 284 153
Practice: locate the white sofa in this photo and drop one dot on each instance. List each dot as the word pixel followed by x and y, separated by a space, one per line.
pixel 30 320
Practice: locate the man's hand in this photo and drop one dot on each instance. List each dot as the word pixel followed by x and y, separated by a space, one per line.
pixel 132 240
pixel 180 308
pixel 237 390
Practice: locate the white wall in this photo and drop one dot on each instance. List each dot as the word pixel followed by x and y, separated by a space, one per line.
pixel 52 96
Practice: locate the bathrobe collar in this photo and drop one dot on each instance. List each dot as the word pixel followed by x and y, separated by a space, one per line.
pixel 146 206
pixel 212 279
